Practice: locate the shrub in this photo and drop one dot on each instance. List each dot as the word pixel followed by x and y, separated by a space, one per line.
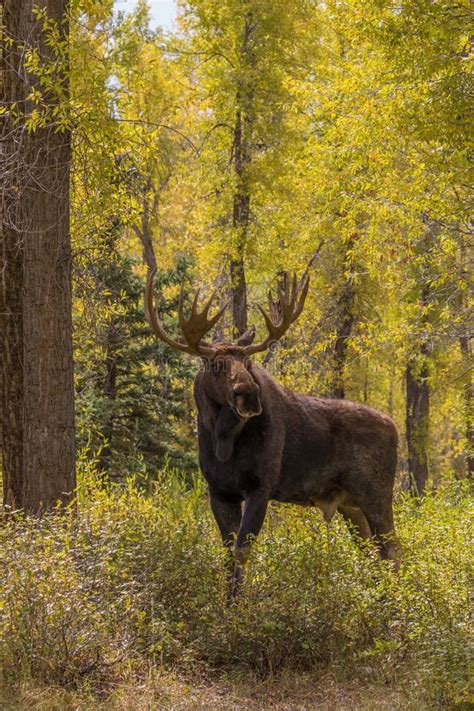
pixel 140 577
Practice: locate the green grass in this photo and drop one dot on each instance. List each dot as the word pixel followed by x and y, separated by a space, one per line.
pixel 132 588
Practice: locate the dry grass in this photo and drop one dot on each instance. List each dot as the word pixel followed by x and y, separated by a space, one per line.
pixel 160 690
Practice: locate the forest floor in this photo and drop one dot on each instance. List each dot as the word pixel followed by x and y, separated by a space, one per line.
pixel 287 692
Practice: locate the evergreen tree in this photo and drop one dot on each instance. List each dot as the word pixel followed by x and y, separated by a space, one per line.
pixel 133 391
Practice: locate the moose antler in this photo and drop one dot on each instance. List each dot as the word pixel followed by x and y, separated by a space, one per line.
pixel 193 328
pixel 283 310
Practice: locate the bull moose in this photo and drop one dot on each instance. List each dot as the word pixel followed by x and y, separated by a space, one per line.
pixel 258 441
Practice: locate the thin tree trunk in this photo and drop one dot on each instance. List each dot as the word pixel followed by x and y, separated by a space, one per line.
pixel 417 378
pixel 242 155
pixel 465 346
pixel 109 392
pixel 366 380
pixel 112 339
pixel 391 388
pixel 36 357
pixel 417 422
pixel 240 222
pixel 345 320
pixel 466 351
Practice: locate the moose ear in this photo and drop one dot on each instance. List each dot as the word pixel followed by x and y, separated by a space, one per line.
pixel 247 337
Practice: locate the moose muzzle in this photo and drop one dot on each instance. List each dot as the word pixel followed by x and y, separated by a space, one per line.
pixel 246 400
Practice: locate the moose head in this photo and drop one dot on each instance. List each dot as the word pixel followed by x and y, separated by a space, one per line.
pixel 227 366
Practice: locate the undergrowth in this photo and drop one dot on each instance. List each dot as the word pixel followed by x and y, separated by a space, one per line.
pixel 137 578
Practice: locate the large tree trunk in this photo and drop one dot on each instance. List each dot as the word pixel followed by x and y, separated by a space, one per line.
pixel 37 401
pixel 11 324
pixel 417 422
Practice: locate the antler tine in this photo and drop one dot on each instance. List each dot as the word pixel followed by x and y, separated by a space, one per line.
pixel 195 301
pixel 268 320
pixel 283 311
pixel 215 319
pixel 287 293
pixel 208 303
pixel 194 310
pixel 192 347
pixel 303 290
pixel 198 324
pixel 283 287
pixel 294 286
pixel 274 307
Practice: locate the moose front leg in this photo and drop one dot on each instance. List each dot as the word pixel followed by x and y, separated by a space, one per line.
pixel 252 521
pixel 228 515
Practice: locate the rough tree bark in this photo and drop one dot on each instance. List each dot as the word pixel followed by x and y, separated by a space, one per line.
pixel 11 325
pixel 37 399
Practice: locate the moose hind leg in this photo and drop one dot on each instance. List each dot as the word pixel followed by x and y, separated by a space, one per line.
pixel 357 521
pixel 381 523
pixel 371 489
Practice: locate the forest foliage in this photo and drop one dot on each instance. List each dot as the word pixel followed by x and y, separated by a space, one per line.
pixel 264 137
pixel 259 137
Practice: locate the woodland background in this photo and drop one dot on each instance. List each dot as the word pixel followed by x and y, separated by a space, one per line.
pixel 259 137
